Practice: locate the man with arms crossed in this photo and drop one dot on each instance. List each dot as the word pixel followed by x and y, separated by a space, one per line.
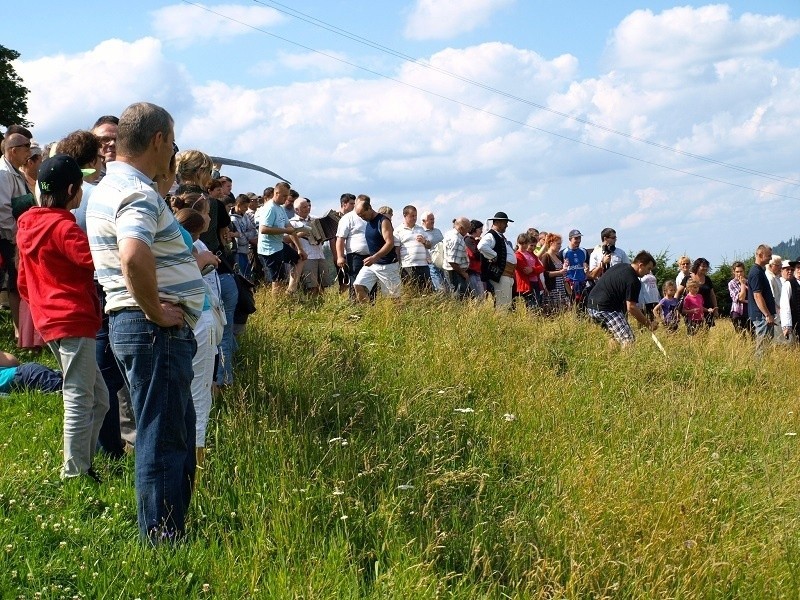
pixel 154 296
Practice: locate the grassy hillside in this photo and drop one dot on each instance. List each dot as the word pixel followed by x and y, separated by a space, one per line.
pixel 427 449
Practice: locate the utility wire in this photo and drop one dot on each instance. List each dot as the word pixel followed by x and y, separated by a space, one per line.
pixel 287 10
pixel 483 110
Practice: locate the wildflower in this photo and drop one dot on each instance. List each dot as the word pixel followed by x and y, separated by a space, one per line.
pixel 464 410
pixel 689 544
pixel 405 486
pixel 206 588
pixel 510 417
pixel 338 492
pixel 343 518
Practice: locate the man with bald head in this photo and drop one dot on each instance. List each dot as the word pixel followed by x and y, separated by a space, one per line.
pixel 312 276
pixel 456 262
pixel 16 150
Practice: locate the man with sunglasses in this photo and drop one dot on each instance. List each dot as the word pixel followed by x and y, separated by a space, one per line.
pixel 13 189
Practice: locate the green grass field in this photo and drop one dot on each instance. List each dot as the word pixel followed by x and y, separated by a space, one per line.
pixel 428 449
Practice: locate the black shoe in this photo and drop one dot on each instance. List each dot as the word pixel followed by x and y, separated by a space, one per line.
pixel 93 474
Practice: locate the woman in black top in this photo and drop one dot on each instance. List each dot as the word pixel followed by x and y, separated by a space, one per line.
pixel 699 274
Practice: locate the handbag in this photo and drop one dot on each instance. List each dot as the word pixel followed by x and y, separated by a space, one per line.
pixel 246 303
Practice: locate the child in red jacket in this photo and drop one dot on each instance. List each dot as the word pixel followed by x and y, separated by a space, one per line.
pixel 56 277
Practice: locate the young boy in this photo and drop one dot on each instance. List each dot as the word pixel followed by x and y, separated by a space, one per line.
pixel 56 278
pixel 667 309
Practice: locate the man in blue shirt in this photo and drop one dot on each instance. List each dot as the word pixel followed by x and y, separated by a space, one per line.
pixel 575 260
pixel 760 301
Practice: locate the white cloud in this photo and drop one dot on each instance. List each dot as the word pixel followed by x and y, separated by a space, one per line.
pixel 185 24
pixel 443 19
pixel 686 38
pixel 69 92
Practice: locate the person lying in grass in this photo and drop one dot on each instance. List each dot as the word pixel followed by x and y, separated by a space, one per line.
pixel 21 377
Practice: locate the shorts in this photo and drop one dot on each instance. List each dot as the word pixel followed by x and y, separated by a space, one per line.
pixel 313 273
pixel 290 255
pixel 273 266
pixel 9 252
pixel 388 276
pixel 615 322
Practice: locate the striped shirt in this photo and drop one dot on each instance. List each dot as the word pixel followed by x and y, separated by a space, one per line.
pixel 412 253
pixel 455 250
pixel 125 205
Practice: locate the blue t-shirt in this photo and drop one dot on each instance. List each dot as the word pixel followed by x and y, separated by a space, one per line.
pixel 575 261
pixel 757 282
pixel 273 216
pixel 6 377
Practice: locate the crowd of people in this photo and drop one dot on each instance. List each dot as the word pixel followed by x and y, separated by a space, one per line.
pixel 134 263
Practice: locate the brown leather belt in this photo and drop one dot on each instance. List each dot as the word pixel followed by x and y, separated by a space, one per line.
pixel 508 270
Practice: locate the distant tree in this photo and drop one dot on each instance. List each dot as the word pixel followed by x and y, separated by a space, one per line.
pixel 13 95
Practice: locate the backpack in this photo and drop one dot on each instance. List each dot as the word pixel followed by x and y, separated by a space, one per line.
pixel 437 255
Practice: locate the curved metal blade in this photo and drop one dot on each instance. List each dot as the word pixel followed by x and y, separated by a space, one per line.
pixel 246 165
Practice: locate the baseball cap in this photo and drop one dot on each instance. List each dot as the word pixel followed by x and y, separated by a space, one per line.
pixel 575 233
pixel 57 173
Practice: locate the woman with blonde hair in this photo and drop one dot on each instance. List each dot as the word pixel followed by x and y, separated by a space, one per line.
pixel 194 175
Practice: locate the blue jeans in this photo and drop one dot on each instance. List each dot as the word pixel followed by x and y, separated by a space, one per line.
pixel 157 364
pixel 764 335
pixel 110 439
pixel 458 284
pixel 33 376
pixel 355 262
pixel 230 296
pixel 243 261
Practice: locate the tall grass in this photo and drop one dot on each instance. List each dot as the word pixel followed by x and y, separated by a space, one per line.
pixel 430 449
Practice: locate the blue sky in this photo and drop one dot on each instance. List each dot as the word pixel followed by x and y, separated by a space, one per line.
pixel 710 80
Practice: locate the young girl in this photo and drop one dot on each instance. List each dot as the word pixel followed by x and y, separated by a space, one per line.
pixel 56 277
pixel 207 331
pixel 693 307
pixel 666 309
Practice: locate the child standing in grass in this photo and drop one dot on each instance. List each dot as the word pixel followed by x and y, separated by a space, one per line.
pixel 56 277
pixel 693 307
pixel 667 308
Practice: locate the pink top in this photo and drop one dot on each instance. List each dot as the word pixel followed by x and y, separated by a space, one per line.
pixel 691 304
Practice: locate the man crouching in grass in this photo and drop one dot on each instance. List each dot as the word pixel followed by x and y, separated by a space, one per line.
pixel 617 293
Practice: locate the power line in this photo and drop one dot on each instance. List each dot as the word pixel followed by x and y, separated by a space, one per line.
pixel 485 111
pixel 287 10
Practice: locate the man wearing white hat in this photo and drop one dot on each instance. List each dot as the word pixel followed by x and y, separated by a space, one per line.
pixel 498 260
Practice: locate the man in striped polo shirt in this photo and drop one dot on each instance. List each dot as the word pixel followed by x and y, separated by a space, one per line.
pixel 154 295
